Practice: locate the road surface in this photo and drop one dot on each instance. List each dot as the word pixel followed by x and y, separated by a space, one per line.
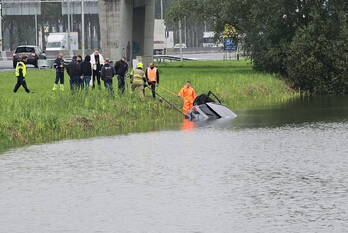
pixel 213 56
pixel 8 66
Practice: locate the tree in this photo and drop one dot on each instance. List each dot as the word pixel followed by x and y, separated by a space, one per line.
pixel 318 55
pixel 276 32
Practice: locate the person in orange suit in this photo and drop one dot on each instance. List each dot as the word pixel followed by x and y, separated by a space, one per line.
pixel 188 94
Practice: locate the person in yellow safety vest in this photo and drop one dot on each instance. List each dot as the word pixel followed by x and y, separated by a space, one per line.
pixel 138 79
pixel 21 72
pixel 153 78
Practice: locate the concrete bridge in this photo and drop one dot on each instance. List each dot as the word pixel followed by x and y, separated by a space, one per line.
pixel 127 28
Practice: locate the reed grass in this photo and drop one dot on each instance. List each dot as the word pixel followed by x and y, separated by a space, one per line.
pixel 45 115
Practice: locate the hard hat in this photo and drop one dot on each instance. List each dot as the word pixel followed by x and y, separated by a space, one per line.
pixel 140 65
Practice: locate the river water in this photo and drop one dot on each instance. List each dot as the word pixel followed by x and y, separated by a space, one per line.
pixel 281 169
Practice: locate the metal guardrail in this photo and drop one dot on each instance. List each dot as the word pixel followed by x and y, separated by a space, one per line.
pixel 173 51
pixel 5 55
pixel 171 58
pixel 48 63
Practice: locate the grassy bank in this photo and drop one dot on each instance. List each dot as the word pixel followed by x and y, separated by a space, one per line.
pixel 45 115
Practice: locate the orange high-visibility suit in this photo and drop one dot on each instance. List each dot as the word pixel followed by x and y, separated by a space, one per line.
pixel 188 95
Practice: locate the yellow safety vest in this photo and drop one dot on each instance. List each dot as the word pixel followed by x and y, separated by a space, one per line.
pixel 152 74
pixel 21 66
pixel 138 75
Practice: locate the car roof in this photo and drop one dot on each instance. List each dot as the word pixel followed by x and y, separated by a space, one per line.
pixel 33 46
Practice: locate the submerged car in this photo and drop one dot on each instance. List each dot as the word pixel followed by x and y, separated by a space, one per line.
pixel 34 54
pixel 205 108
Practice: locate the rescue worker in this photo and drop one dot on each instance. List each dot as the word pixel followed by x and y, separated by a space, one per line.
pixel 188 94
pixel 74 71
pixel 59 66
pixel 21 72
pixel 107 73
pixel 152 77
pixel 97 61
pixel 138 79
pixel 121 69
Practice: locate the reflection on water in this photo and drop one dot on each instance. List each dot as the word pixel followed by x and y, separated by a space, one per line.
pixel 296 111
pixel 188 125
pixel 263 172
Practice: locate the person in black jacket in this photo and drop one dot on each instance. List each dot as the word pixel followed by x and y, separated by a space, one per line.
pixel 86 70
pixel 74 71
pixel 121 69
pixel 107 73
pixel 79 60
pixel 59 66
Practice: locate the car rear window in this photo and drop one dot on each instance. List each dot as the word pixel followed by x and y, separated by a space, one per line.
pixel 25 50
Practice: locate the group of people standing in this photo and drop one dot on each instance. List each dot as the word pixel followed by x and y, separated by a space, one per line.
pixel 94 68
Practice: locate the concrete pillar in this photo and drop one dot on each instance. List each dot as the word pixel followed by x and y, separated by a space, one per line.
pixel 126 29
pixel 149 31
pixel 138 31
pixel 115 27
pixel 125 21
pixel 109 11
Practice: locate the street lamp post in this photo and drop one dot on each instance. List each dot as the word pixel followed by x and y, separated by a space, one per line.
pixel 161 9
pixel 83 28
pixel 36 31
pixel 68 14
pixel 180 41
pixel 1 25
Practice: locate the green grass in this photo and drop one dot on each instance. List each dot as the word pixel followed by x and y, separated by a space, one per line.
pixel 45 115
pixel 235 82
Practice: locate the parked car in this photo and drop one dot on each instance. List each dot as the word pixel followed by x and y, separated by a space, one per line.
pixel 34 54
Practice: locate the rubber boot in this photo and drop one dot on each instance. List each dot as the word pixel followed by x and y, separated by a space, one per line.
pixel 55 87
pixel 62 87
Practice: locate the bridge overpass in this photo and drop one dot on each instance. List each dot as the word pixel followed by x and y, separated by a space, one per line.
pixel 127 28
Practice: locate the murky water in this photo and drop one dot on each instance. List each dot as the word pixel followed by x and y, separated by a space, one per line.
pixel 274 170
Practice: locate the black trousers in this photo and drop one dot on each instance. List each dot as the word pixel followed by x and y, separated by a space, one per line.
pixel 153 88
pixel 96 75
pixel 75 83
pixel 21 82
pixel 59 77
pixel 121 83
pixel 108 85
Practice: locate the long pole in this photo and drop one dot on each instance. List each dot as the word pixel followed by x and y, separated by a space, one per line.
pixel 72 16
pixel 1 25
pixel 161 9
pixel 185 32
pixel 68 14
pixel 171 104
pixel 167 90
pixel 83 28
pixel 69 30
pixel 180 41
pixel 36 29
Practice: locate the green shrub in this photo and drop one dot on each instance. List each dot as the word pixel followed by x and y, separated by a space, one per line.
pixel 318 57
